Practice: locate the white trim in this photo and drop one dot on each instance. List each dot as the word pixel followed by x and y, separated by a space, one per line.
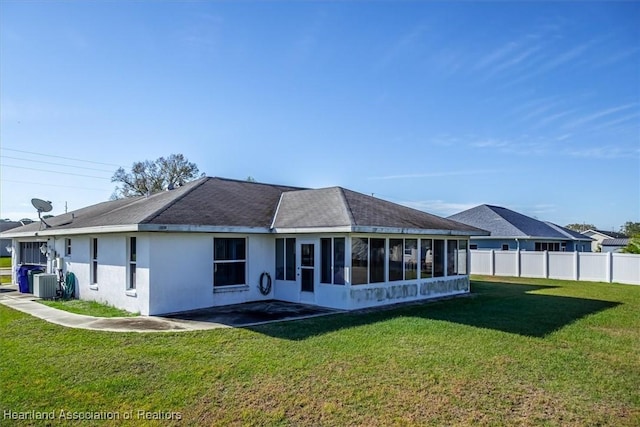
pixel 192 228
pixel 530 238
pixel 375 230
pixel 186 228
pixel 230 288
pixel 73 231
pixel 275 215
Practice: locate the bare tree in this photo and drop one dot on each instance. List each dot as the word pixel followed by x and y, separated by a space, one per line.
pixel 148 177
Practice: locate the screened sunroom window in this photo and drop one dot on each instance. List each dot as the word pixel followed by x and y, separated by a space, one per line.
pixel 359 261
pixel 332 260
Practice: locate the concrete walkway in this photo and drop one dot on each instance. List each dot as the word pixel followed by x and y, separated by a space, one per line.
pixel 27 304
pixel 221 317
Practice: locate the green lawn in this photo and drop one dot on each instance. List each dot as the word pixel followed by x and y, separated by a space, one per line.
pixel 89 308
pixel 536 352
pixel 5 262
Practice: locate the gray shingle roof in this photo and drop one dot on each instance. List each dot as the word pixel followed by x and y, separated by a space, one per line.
pixel 616 242
pixel 336 206
pixel 611 234
pixel 503 222
pixel 571 234
pixel 220 202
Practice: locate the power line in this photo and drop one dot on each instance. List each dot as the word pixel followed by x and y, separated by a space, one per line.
pixel 53 163
pixel 53 185
pixel 63 173
pixel 58 157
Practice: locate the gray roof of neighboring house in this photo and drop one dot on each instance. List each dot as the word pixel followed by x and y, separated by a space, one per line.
pixel 616 242
pixel 8 225
pixel 231 204
pixel 503 222
pixel 610 234
pixel 571 234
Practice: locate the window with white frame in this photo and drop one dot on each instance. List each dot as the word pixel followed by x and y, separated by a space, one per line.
pixel 30 253
pixel 438 258
pixel 426 258
pixel 403 259
pixel 67 247
pixel 132 252
pixel 286 258
pixel 229 261
pixel 359 260
pixel 547 246
pixel 463 256
pixel 396 259
pixel 94 260
pixel 368 260
pixel 452 257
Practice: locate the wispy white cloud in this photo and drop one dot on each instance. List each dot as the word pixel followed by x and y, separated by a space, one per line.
pixel 495 57
pixel 407 42
pixel 436 174
pixel 604 152
pixel 440 207
pixel 618 56
pixel 567 56
pixel 589 118
pixel 25 111
pixel 203 31
pixel 633 119
pixel 490 143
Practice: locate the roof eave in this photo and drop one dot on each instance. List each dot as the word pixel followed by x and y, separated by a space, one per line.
pixel 192 228
pixel 71 231
pixel 586 239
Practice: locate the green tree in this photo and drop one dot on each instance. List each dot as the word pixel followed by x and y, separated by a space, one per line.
pixel 634 245
pixel 580 227
pixel 630 228
pixel 148 177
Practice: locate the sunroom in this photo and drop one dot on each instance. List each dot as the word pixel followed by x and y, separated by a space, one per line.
pixel 353 271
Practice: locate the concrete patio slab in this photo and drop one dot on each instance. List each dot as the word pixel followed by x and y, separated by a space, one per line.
pixel 240 315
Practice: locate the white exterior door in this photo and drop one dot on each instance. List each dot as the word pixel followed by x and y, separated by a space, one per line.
pixel 307 266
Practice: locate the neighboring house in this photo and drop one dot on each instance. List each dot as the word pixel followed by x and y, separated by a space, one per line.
pixel 511 230
pixel 217 241
pixel 615 245
pixel 600 236
pixel 6 243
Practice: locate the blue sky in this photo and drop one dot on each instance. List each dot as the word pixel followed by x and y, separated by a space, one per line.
pixel 534 106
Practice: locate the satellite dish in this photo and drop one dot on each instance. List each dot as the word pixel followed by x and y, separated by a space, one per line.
pixel 41 205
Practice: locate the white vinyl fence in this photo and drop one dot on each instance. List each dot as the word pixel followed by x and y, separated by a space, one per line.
pixel 587 266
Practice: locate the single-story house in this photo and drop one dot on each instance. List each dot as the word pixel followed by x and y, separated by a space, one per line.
pixel 599 236
pixel 510 230
pixel 218 241
pixel 615 245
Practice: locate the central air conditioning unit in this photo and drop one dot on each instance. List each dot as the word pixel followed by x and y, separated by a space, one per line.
pixel 45 285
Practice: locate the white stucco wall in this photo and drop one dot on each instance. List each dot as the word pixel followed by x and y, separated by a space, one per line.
pixel 175 273
pixel 111 288
pixel 182 272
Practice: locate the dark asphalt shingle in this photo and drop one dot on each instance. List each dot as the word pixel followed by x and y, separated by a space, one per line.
pixel 231 203
pixel 503 222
